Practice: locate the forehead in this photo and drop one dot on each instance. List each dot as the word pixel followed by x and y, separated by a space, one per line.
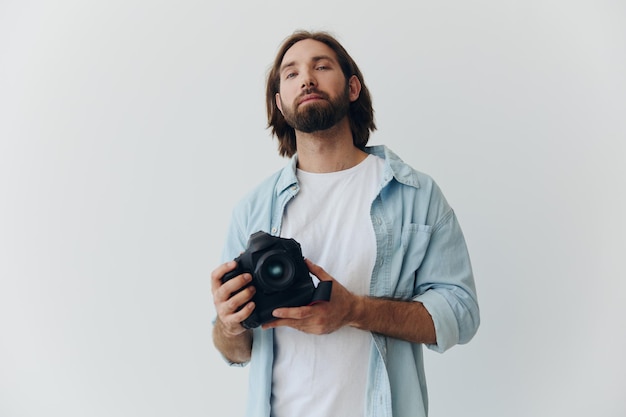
pixel 307 50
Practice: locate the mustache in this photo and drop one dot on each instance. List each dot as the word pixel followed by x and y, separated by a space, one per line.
pixel 313 90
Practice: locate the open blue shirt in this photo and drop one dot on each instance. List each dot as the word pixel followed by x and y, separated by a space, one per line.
pixel 421 255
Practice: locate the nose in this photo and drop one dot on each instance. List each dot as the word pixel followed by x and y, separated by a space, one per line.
pixel 308 80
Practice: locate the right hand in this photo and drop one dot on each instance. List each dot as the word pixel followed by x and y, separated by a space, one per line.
pixel 232 307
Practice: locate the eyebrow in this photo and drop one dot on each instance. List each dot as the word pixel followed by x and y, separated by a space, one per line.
pixel 314 59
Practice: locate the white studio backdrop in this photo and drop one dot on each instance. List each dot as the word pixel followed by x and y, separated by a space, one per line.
pixel 129 129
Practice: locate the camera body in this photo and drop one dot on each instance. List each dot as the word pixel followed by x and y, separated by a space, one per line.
pixel 279 274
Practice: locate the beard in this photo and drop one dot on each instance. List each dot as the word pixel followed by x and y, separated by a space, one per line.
pixel 320 115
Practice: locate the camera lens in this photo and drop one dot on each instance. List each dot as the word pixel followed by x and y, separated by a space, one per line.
pixel 275 270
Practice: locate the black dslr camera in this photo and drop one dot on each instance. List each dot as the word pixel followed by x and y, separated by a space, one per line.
pixel 279 274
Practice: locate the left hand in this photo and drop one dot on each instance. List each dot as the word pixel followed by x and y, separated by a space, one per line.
pixel 320 318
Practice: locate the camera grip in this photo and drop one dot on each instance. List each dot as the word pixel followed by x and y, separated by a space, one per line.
pixel 322 292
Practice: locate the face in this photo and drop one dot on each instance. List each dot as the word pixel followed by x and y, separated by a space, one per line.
pixel 314 94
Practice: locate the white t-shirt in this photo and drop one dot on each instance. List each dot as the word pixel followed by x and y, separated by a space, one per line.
pixel 321 376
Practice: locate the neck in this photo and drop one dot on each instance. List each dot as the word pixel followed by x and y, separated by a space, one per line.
pixel 328 150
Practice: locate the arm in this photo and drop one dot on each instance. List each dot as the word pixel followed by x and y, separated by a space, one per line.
pixel 229 337
pixel 236 348
pixel 406 320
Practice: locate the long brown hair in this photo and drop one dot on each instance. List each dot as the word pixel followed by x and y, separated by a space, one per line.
pixel 361 113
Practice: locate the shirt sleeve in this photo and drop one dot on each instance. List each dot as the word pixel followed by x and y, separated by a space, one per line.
pixel 445 285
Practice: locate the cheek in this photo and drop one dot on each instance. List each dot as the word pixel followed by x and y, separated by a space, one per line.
pixel 285 98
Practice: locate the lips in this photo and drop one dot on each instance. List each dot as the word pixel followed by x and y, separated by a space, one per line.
pixel 309 97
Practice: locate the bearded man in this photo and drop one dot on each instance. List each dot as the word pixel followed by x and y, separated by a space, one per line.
pixel 379 230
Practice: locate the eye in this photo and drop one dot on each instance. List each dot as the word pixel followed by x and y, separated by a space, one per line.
pixel 322 67
pixel 290 75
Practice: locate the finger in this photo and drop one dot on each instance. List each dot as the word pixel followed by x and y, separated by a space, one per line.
pixel 232 304
pixel 218 273
pixel 232 323
pixel 301 325
pixel 235 284
pixel 296 313
pixel 274 323
pixel 288 316
pixel 295 324
pixel 244 313
pixel 231 287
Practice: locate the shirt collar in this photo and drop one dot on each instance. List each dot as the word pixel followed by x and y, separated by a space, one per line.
pixel 394 168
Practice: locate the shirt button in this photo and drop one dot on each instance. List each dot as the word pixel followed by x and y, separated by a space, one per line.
pixel 274 230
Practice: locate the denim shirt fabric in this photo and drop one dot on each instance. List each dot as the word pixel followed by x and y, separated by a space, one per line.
pixel 421 255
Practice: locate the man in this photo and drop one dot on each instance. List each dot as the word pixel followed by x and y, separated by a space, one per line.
pixel 380 231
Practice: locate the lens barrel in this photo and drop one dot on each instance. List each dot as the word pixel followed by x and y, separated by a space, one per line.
pixel 275 270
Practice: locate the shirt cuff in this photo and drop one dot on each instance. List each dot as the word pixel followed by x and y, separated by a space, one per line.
pixel 446 326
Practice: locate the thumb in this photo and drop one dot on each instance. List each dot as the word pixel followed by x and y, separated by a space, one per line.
pixel 318 271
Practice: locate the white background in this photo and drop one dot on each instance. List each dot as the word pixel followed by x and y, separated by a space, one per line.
pixel 129 129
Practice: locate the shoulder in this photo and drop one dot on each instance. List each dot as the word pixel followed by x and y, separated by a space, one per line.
pixel 407 188
pixel 395 168
pixel 261 199
pixel 268 186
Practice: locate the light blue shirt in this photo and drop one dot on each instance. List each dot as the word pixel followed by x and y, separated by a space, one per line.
pixel 421 255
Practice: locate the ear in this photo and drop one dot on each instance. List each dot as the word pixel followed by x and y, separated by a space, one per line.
pixel 279 104
pixel 354 88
